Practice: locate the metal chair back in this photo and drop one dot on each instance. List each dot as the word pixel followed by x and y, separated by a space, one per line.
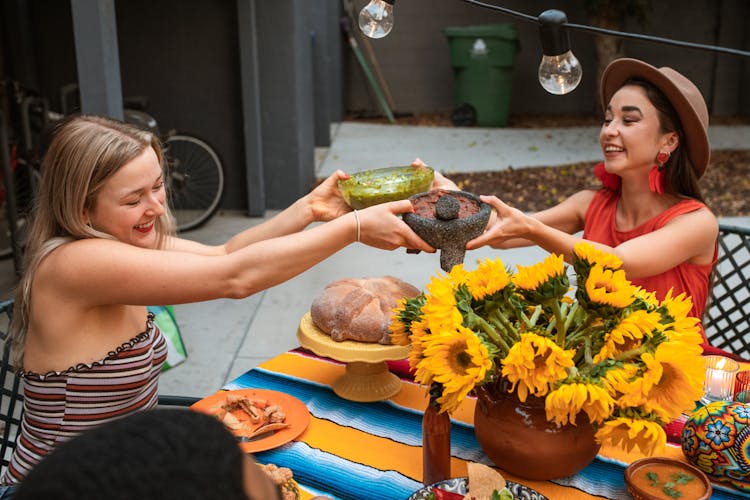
pixel 11 395
pixel 727 317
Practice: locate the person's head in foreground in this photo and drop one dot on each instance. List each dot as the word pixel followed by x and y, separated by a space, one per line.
pixel 161 454
pixel 655 120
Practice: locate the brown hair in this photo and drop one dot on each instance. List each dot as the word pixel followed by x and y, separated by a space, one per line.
pixel 85 151
pixel 679 173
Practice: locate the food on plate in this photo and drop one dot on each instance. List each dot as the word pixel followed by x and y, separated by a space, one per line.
pixel 381 185
pixel 360 309
pixel 250 417
pixel 485 483
pixel 283 478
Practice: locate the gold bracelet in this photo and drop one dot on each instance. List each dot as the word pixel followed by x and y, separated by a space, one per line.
pixel 356 216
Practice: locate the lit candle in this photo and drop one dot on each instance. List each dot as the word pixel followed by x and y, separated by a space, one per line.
pixel 719 382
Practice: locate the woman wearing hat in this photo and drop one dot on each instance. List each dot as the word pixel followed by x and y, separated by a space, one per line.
pixel 650 211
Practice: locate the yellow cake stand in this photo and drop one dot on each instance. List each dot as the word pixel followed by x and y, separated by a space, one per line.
pixel 367 377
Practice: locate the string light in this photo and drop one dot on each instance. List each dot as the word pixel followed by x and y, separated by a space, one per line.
pixel 376 18
pixel 559 72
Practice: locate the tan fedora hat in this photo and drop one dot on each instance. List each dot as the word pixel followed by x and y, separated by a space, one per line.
pixel 681 92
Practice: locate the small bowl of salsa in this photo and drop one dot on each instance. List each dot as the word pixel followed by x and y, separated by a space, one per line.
pixel 380 185
pixel 659 478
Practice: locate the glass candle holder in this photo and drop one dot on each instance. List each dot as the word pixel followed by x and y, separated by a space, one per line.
pixel 719 382
pixel 742 387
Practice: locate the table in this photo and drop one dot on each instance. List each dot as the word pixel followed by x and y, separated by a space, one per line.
pixel 363 451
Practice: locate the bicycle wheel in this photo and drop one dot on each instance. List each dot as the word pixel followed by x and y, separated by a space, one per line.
pixel 26 183
pixel 195 180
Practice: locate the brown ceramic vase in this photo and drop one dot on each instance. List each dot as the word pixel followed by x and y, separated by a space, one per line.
pixel 518 438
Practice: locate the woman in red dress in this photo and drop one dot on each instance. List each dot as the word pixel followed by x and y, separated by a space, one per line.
pixel 650 211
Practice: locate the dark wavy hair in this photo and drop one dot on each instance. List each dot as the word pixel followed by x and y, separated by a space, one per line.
pixel 679 174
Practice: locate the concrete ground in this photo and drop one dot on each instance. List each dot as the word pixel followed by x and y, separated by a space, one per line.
pixel 227 337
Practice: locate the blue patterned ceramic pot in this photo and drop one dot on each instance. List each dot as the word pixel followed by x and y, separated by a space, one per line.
pixel 716 439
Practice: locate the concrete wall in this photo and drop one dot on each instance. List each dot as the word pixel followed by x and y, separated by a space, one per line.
pixel 183 55
pixel 414 58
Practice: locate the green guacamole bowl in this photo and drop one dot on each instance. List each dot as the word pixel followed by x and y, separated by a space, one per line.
pixel 370 187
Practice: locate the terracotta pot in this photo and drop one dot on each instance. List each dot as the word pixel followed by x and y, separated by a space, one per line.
pixel 518 438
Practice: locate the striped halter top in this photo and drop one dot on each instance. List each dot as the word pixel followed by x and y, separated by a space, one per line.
pixel 60 405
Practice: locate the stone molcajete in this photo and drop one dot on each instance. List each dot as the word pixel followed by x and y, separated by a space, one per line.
pixel 447 220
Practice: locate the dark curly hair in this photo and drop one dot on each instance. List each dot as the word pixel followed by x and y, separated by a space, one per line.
pixel 163 454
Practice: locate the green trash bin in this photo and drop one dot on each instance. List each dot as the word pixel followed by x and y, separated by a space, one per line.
pixel 482 58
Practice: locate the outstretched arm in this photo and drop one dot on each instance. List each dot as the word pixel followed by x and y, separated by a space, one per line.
pixel 688 238
pixel 101 271
pixel 324 203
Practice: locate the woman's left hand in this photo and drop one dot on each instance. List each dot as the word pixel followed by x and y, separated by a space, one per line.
pixel 326 201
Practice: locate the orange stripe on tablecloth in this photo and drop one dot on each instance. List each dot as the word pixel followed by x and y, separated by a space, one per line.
pixel 385 454
pixel 370 450
pixel 411 395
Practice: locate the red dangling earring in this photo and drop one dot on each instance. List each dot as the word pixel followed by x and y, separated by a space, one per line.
pixel 656 176
pixel 656 180
pixel 609 181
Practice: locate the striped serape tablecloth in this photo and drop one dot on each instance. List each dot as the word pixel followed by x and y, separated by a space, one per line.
pixel 362 451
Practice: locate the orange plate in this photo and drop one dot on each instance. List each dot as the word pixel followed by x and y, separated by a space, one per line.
pixel 297 416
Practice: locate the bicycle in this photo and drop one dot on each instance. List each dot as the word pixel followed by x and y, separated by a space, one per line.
pixel 194 172
pixel 27 112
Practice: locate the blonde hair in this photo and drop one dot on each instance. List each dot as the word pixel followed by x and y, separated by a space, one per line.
pixel 84 153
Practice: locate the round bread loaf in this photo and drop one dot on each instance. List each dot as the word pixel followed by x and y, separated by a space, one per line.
pixel 360 309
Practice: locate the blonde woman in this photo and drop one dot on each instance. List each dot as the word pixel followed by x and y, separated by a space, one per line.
pixel 102 247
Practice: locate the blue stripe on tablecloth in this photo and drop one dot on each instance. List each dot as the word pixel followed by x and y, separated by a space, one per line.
pixel 338 477
pixel 603 477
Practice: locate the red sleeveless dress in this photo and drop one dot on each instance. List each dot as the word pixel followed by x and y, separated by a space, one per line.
pixel 693 279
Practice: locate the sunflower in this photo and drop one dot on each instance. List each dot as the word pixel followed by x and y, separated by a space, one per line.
pixel 440 307
pixel 457 360
pixel 611 350
pixel 647 435
pixel 627 334
pixel 489 277
pixel 543 281
pixel 588 253
pixel 680 383
pixel 534 363
pixel 564 403
pixel 608 288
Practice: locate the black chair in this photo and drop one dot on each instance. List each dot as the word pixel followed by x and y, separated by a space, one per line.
pixel 727 317
pixel 11 397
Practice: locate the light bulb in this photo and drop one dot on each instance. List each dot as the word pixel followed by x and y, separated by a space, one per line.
pixel 560 74
pixel 376 18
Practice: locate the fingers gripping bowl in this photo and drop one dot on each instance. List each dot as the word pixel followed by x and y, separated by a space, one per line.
pixel 448 220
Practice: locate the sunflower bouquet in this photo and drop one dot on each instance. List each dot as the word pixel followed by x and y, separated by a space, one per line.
pixel 610 349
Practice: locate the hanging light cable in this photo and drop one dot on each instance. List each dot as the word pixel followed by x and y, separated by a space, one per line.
pixel 619 34
pixel 559 73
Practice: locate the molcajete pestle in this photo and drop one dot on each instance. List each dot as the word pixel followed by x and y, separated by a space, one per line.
pixel 448 220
